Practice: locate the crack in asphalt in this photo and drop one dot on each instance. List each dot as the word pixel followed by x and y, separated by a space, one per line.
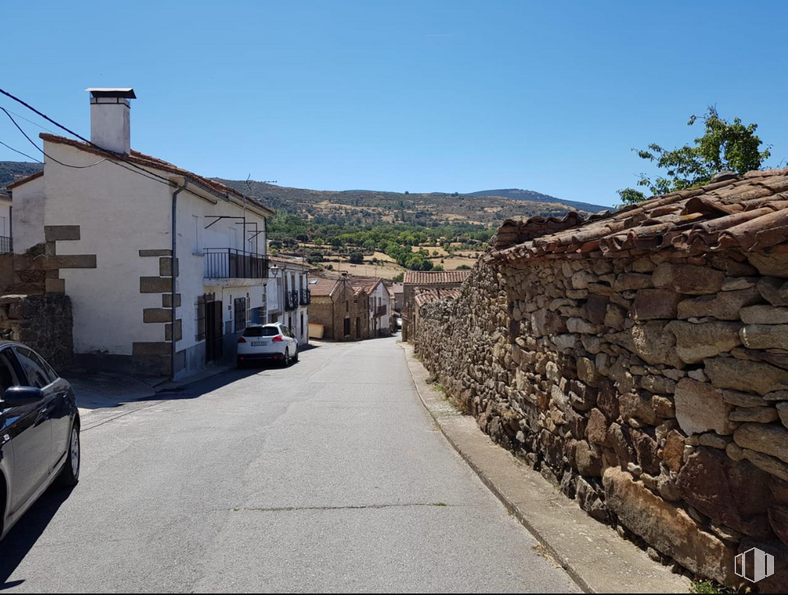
pixel 347 507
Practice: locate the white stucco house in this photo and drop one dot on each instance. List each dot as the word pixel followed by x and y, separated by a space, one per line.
pixel 289 279
pixel 112 221
pixel 379 310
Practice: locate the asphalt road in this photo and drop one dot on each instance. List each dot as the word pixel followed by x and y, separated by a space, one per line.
pixel 327 476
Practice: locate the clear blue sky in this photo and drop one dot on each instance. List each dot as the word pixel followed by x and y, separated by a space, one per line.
pixel 405 95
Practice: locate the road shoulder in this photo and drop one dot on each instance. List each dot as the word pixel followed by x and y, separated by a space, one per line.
pixel 593 554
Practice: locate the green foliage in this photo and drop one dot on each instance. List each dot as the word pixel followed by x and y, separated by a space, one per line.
pixel 399 278
pixel 705 587
pixel 356 258
pixel 463 267
pixel 630 196
pixel 396 240
pixel 11 170
pixel 724 146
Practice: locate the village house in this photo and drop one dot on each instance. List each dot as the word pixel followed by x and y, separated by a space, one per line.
pixel 164 268
pixel 398 302
pixel 416 280
pixel 350 308
pixel 6 244
pixel 289 296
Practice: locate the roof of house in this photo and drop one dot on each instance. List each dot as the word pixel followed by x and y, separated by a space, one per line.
pixel 290 262
pixel 435 277
pixel 25 180
pixel 363 284
pixel 322 287
pixel 137 158
pixel 747 212
pixel 325 286
pixel 425 295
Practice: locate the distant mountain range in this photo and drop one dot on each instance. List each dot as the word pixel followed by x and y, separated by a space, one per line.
pixel 11 170
pixel 530 195
pixel 486 207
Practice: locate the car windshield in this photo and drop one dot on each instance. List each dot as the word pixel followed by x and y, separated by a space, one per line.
pixel 261 331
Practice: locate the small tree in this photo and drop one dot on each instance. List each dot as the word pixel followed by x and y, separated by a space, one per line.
pixel 357 258
pixel 724 146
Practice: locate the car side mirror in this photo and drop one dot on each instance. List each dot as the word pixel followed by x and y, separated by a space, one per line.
pixel 19 396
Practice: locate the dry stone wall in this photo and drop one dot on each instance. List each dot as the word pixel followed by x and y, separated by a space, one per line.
pixel 651 388
pixel 43 322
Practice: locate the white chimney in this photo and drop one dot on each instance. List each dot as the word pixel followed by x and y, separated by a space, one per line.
pixel 109 119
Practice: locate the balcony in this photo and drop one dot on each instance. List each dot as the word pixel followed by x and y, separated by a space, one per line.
pixel 229 263
pixel 306 297
pixel 381 311
pixel 6 245
pixel 291 300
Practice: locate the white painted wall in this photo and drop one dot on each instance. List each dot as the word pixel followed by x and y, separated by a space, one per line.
pixel 28 214
pixel 5 217
pixel 110 123
pixel 380 296
pixel 119 213
pixel 194 215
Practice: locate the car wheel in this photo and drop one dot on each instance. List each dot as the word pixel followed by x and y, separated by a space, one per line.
pixel 69 475
pixel 287 357
pixel 295 358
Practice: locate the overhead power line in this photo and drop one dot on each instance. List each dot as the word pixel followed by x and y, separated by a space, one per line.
pixel 144 172
pixel 18 151
pixel 32 142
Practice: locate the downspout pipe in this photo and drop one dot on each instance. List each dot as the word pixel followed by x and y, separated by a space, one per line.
pixel 181 186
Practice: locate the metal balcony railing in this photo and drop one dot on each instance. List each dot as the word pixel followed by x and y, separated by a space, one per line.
pixel 230 263
pixel 6 245
pixel 291 300
pixel 306 297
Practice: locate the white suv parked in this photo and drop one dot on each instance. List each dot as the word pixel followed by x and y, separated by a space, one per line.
pixel 262 342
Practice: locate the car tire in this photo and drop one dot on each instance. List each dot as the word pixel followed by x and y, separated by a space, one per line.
pixel 295 359
pixel 69 474
pixel 286 362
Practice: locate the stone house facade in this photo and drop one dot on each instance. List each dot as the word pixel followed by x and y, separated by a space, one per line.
pixel 416 280
pixel 350 308
pixel 639 361
pixel 164 268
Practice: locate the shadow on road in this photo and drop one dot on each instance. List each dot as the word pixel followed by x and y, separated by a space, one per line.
pixel 26 532
pixel 207 385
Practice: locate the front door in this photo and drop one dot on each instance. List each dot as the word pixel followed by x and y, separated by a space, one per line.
pixel 213 331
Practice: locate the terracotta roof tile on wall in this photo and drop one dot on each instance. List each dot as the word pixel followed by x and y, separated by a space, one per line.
pixel 749 213
pixel 435 277
pixel 432 294
pixel 141 159
pixel 321 287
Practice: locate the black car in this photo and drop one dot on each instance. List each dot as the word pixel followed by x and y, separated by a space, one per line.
pixel 39 431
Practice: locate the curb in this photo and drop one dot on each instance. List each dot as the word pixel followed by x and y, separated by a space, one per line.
pixel 592 554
